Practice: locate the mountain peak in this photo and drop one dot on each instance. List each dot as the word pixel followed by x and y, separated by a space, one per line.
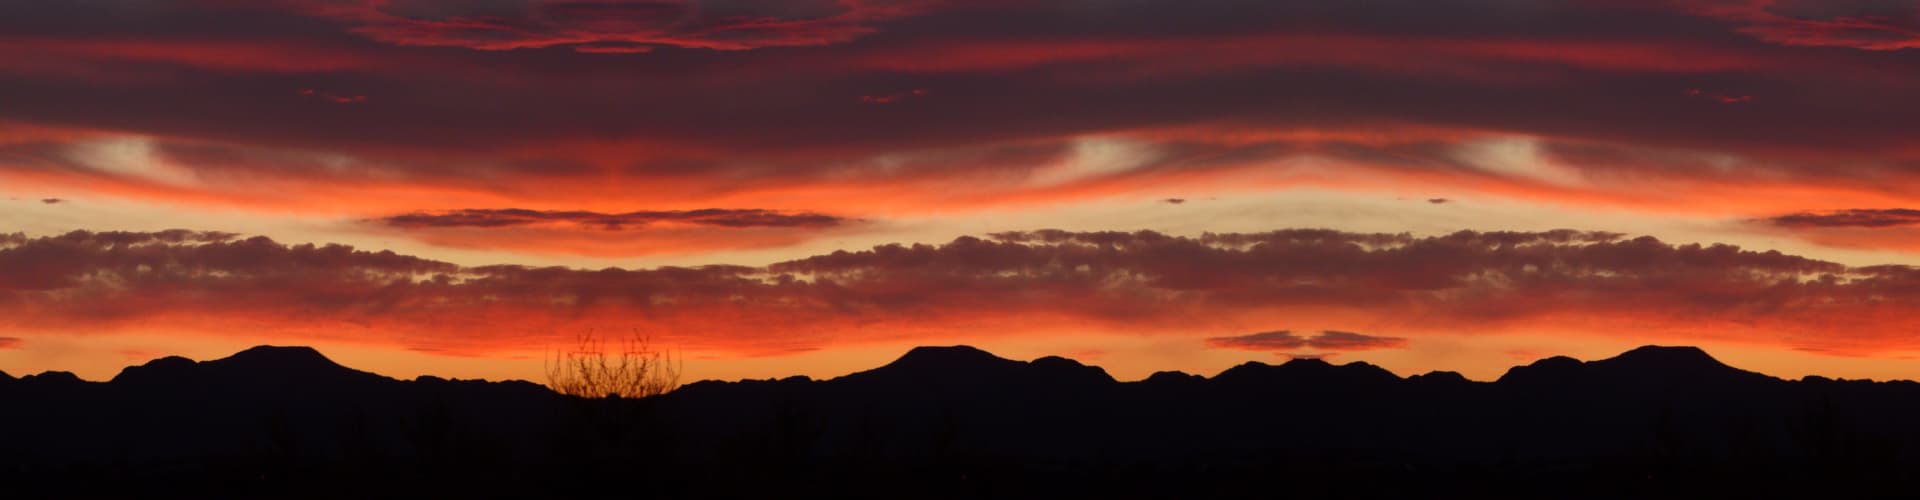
pixel 944 358
pixel 158 369
pixel 1174 377
pixel 1068 369
pixel 1307 362
pixel 1556 368
pixel 298 354
pixel 1311 370
pixel 281 362
pixel 1440 377
pixel 54 378
pixel 1651 364
pixel 295 358
pixel 965 366
pixel 1657 355
pixel 1672 363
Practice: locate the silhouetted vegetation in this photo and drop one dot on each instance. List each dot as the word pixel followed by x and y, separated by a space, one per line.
pixel 633 368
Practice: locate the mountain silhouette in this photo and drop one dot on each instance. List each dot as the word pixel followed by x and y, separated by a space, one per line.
pixel 260 362
pixel 944 364
pixel 1643 369
pixel 959 422
pixel 1685 364
pixel 1306 373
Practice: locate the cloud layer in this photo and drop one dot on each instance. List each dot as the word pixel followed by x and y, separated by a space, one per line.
pixel 630 132
pixel 1026 283
pixel 873 108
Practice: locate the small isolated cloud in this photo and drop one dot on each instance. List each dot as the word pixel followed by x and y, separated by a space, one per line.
pixel 510 217
pixel 1175 201
pixel 1283 340
pixel 1086 355
pixel 1335 340
pixel 1438 201
pixel 1858 217
pixel 893 97
pixel 52 201
pixel 1720 97
pixel 11 342
pixel 333 97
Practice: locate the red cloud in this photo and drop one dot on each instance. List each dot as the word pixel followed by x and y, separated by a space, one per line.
pixel 1226 95
pixel 1859 24
pixel 619 26
pixel 893 97
pixel 1720 97
pixel 332 97
pixel 455 128
pixel 1014 283
pixel 10 342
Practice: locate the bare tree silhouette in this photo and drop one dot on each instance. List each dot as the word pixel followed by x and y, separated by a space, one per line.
pixel 633 369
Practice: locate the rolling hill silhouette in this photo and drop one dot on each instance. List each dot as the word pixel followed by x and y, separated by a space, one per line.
pixel 958 422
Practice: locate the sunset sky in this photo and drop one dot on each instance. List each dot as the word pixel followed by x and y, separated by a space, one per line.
pixel 779 187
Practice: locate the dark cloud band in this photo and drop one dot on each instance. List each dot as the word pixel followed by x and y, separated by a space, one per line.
pixel 1885 217
pixel 509 217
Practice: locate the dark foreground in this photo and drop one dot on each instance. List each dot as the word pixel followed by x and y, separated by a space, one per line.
pixel 957 422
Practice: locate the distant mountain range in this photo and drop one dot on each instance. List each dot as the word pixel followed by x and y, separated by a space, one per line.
pixel 958 422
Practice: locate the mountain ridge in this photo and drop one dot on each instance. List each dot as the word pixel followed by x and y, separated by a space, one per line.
pixel 1043 428
pixel 937 361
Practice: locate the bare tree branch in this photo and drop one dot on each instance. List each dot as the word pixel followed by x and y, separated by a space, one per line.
pixel 634 370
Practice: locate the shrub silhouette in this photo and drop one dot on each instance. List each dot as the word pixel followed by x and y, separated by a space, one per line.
pixel 591 370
